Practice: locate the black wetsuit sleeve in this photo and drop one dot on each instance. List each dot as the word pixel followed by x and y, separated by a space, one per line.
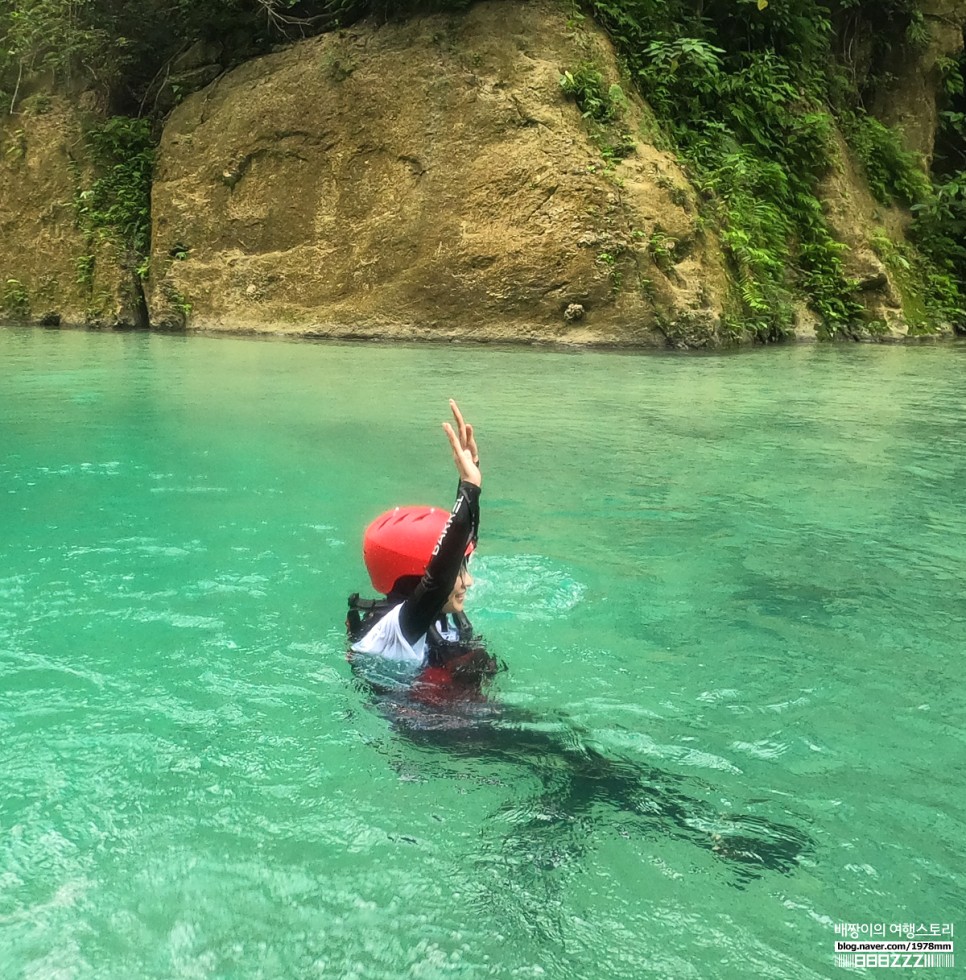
pixel 422 608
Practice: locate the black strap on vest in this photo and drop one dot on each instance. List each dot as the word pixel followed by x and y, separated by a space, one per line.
pixel 364 614
pixel 466 657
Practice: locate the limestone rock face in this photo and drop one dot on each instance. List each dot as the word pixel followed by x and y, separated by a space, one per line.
pixel 50 269
pixel 909 101
pixel 855 219
pixel 426 179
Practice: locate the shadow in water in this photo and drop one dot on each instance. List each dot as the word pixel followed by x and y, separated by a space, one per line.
pixel 578 783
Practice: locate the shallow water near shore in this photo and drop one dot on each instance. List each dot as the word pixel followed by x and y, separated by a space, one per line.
pixel 737 577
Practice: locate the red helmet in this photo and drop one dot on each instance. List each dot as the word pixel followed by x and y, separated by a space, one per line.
pixel 400 542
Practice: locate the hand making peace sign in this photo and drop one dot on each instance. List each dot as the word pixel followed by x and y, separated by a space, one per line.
pixel 463 443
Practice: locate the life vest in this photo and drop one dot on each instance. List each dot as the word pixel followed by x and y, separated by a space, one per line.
pixel 463 660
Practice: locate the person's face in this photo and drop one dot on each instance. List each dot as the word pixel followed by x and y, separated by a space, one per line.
pixel 454 604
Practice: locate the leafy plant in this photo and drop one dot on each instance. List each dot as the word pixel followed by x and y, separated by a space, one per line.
pixel 660 247
pixel 15 301
pixel 895 174
pixel 16 148
pixel 931 298
pixel 595 99
pixel 117 205
pixel 608 259
pixel 84 264
pixel 939 229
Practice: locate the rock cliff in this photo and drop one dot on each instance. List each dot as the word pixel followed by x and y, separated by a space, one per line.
pixel 425 179
pixel 51 269
pixel 908 100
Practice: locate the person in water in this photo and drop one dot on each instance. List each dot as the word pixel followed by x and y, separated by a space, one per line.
pixel 417 558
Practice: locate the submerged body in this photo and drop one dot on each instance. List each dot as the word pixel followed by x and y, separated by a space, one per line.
pixel 459 717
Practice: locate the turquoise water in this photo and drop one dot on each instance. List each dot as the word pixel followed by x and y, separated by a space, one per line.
pixel 740 577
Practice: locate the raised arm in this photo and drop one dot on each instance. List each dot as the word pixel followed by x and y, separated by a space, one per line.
pixel 421 609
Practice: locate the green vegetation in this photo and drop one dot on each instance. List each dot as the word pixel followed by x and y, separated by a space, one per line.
pixel 603 106
pixel 940 227
pixel 115 208
pixel 117 205
pixel 85 264
pixel 594 98
pixel 608 261
pixel 895 175
pixel 749 93
pixel 661 249
pixel 15 301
